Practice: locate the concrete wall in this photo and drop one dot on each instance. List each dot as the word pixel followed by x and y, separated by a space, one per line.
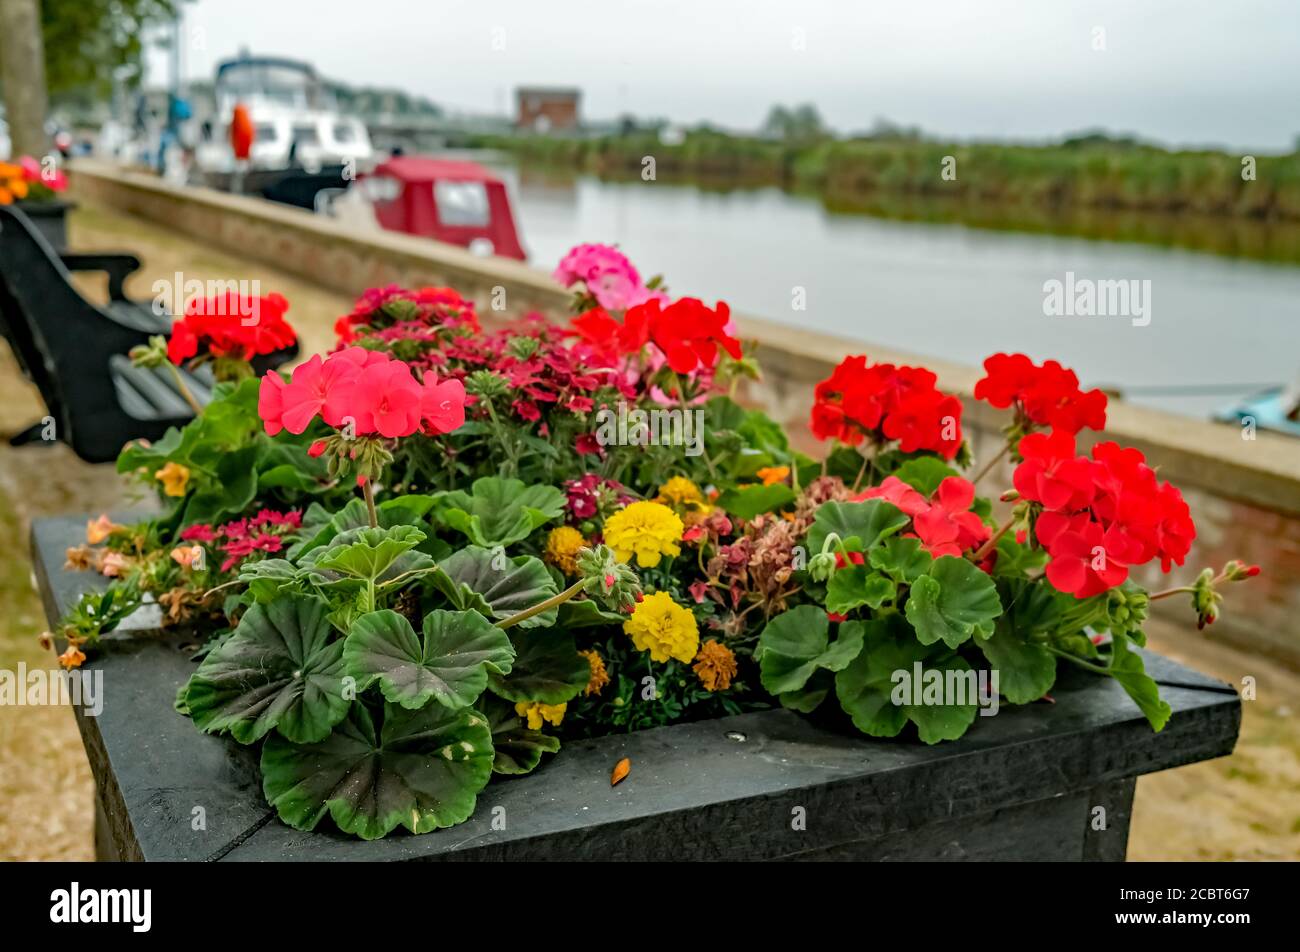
pixel 1244 493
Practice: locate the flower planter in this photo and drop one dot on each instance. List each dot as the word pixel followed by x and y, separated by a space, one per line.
pixel 1023 785
pixel 50 219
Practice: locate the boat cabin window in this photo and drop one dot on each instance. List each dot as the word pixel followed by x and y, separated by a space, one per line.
pixel 344 133
pixel 462 204
pixel 306 135
pixel 264 132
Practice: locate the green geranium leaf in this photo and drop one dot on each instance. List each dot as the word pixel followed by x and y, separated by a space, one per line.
pixel 1016 560
pixel 450 663
pixel 953 602
pixel 795 644
pixel 374 556
pixel 876 690
pixel 421 770
pixel 1127 668
pixel 1026 671
pixel 854 586
pixel 901 559
pixel 500 511
pixel 547 669
pixel 320 528
pixel 586 613
pixel 924 474
pixel 860 525
pixel 229 491
pixel 750 501
pixel 498 587
pixel 518 749
pixel 808 698
pixel 268 579
pixel 279 669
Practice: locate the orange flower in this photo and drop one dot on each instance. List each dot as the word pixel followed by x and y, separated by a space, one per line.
pixel 78 558
pixel 715 666
pixel 599 676
pixel 174 478
pixel 72 658
pixel 773 474
pixel 184 555
pixel 97 530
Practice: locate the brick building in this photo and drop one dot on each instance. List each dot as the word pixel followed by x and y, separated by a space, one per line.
pixel 547 109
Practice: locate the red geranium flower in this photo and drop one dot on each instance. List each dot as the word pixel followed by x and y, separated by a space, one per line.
pixel 887 403
pixel 1051 474
pixel 688 332
pixel 1046 396
pixel 893 490
pixel 1087 560
pixel 948 527
pixel 231 325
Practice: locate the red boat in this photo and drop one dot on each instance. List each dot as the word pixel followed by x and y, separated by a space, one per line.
pixel 458 202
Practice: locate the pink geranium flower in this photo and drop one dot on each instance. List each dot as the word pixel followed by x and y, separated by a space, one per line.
pixel 442 404
pixel 384 398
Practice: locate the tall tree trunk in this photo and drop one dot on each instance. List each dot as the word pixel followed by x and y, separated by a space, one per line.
pixel 22 70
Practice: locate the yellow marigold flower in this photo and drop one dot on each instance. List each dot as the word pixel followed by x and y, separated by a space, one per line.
pixel 771 475
pixel 174 478
pixel 72 658
pixel 535 713
pixel 664 628
pixel 680 492
pixel 599 676
pixel 562 547
pixel 715 666
pixel 97 530
pixel 648 530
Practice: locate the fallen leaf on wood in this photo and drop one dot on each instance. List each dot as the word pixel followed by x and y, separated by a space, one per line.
pixel 621 770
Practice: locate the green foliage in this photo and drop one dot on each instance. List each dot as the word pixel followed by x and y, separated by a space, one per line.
pixel 500 511
pixel 867 687
pixel 547 668
pixel 796 644
pixel 279 670
pixel 419 769
pixel 518 750
pixel 90 44
pixel 449 664
pixel 488 582
pixel 859 525
pixel 952 602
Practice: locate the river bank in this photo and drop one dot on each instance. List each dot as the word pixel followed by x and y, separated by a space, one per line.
pixel 1194 200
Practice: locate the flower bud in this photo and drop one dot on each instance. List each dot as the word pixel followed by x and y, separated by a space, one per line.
pixel 821 566
pixel 607 579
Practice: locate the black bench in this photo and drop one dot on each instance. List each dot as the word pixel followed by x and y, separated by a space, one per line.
pixel 75 351
pixel 1024 785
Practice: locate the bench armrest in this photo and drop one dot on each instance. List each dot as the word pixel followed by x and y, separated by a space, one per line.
pixel 118 267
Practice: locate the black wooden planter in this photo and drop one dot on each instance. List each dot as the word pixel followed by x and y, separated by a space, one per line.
pixel 1023 785
pixel 51 220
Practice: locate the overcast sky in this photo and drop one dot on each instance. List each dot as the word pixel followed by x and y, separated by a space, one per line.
pixel 1188 72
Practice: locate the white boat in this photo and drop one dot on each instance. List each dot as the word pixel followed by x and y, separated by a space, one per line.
pixel 301 144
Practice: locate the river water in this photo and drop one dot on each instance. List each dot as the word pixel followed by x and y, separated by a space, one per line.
pixel 1207 330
